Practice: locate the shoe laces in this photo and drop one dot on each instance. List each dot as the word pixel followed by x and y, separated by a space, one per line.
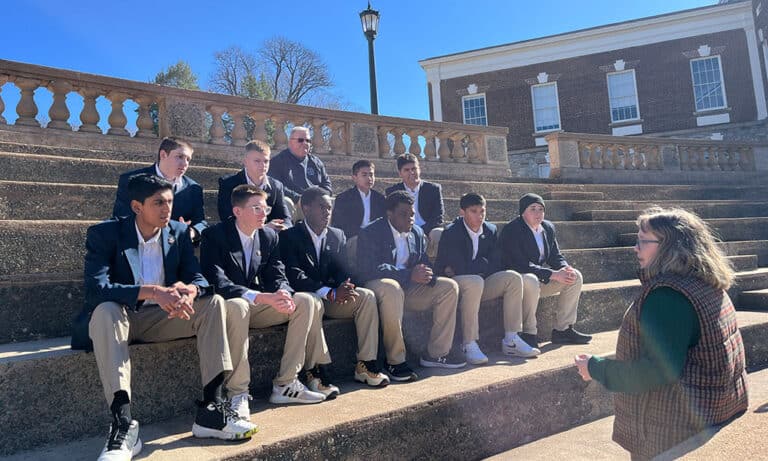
pixel 117 435
pixel 371 366
pixel 224 407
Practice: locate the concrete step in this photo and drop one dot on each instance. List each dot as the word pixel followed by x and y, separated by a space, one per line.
pixel 573 195
pixel 467 414
pixel 743 438
pixel 754 299
pixel 705 210
pixel 744 262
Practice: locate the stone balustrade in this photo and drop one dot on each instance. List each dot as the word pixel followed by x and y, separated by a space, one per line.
pixel 229 120
pixel 630 159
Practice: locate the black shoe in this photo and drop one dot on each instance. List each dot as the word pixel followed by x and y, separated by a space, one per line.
pixel 530 339
pixel 570 336
pixel 401 372
pixel 318 380
pixel 123 441
pixel 452 360
pixel 219 421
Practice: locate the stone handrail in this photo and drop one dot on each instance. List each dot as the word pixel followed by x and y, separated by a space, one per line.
pixel 641 159
pixel 226 120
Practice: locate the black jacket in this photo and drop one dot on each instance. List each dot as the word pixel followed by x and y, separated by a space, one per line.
pixel 430 203
pixel 275 195
pixel 348 210
pixel 377 253
pixel 520 253
pixel 286 168
pixel 455 251
pixel 305 272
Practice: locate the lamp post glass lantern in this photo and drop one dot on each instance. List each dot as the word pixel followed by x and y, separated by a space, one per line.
pixel 370 21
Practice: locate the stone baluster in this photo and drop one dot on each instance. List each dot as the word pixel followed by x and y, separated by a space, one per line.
pixel 596 157
pixel 259 126
pixel 444 152
pixel 338 137
pixel 239 132
pixel 217 130
pixel 615 160
pixel 3 79
pixel 685 157
pixel 318 141
pixel 399 147
pixel 144 120
pixel 383 132
pixel 746 159
pixel 279 139
pixel 415 147
pixel 585 150
pixel 59 113
pixel 429 146
pixel 658 162
pixel 89 115
pixel 723 159
pixel 26 108
pixel 708 159
pixel 732 160
pixel 457 153
pixel 692 158
pixel 117 119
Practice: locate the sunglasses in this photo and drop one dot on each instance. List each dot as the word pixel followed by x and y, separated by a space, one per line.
pixel 302 140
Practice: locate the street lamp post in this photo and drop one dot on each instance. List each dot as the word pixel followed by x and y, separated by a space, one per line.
pixel 370 20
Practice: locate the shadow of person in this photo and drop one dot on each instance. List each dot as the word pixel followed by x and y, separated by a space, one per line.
pixel 762 408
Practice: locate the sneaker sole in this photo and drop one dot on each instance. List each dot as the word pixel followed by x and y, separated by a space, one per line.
pixel 404 379
pixel 478 362
pixel 137 448
pixel 280 399
pixel 383 382
pixel 515 353
pixel 454 366
pixel 207 433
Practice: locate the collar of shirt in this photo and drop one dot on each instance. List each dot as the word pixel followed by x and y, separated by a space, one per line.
pixel 415 190
pixel 176 182
pixel 364 196
pixel 396 234
pixel 155 238
pixel 471 232
pixel 245 238
pixel 264 181
pixel 537 230
pixel 315 236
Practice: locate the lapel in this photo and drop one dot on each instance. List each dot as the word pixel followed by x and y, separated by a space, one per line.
pixel 168 241
pixel 388 241
pixel 359 207
pixel 130 246
pixel 236 247
pixel 412 250
pixel 256 254
pixel 546 242
pixel 309 246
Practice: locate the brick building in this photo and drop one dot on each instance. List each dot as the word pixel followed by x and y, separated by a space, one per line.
pixel 703 67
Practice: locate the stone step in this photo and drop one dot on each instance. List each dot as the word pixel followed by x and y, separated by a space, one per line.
pixel 467 413
pixel 704 210
pixel 754 299
pixel 744 262
pixel 743 438
pixel 573 195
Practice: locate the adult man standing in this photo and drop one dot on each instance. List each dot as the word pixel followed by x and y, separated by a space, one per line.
pixel 359 205
pixel 392 262
pixel 297 168
pixel 468 253
pixel 143 283
pixel 529 246
pixel 241 258
pixel 254 172
pixel 173 159
pixel 316 261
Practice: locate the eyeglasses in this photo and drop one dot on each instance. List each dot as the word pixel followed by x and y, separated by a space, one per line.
pixel 641 243
pixel 302 140
pixel 258 209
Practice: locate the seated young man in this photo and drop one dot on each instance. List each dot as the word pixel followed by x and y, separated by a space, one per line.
pixel 173 159
pixel 254 172
pixel 143 283
pixel 468 253
pixel 529 246
pixel 359 205
pixel 315 259
pixel 392 262
pixel 241 258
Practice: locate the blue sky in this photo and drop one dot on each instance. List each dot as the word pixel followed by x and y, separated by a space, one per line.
pixel 136 39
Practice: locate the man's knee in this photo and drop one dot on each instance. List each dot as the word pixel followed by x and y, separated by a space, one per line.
pixel 579 278
pixel 308 302
pixel 531 283
pixel 387 290
pixel 445 285
pixel 108 313
pixel 512 279
pixel 238 309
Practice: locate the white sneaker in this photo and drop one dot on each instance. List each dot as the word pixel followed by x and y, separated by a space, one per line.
pixel 474 355
pixel 123 442
pixel 519 348
pixel 294 392
pixel 240 405
pixel 218 420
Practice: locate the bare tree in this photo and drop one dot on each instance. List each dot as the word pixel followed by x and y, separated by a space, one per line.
pixel 293 70
pixel 233 70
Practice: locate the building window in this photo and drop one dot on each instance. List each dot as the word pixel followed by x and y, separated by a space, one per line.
pixel 474 110
pixel 708 91
pixel 546 109
pixel 622 96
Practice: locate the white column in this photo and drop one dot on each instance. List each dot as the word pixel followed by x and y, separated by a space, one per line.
pixel 757 75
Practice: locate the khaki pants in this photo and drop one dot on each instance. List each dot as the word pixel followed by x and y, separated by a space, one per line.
pixel 366 314
pixel 567 301
pixel 304 339
pixel 473 290
pixel 113 327
pixel 441 297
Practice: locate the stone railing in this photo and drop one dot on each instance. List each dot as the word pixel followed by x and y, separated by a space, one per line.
pixel 639 159
pixel 229 120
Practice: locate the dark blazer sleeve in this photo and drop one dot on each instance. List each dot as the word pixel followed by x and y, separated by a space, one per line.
pixel 189 270
pixel 224 203
pixel 293 251
pixel 101 253
pixel 555 259
pixel 197 209
pixel 446 252
pixel 514 256
pixel 436 208
pixel 272 269
pixel 345 214
pixel 279 210
pixel 374 255
pixel 325 180
pixel 278 169
pixel 214 254
pixel 122 206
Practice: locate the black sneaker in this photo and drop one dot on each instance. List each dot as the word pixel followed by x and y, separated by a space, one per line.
pixel 401 372
pixel 452 360
pixel 219 421
pixel 530 339
pixel 318 380
pixel 123 442
pixel 570 336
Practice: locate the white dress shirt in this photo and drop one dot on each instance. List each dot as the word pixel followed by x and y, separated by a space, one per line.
pixel 249 242
pixel 318 241
pixel 264 181
pixel 538 234
pixel 176 182
pixel 475 237
pixel 415 194
pixel 401 243
pixel 151 268
pixel 366 207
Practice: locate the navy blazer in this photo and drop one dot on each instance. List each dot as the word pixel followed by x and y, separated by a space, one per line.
pixel 112 268
pixel 377 253
pixel 455 251
pixel 286 168
pixel 305 272
pixel 275 195
pixel 223 261
pixel 430 203
pixel 187 201
pixel 348 210
pixel 520 253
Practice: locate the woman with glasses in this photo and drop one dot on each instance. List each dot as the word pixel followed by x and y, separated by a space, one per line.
pixel 679 366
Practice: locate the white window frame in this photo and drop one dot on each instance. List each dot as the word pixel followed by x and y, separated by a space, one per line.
pixel 722 83
pixel 557 101
pixel 610 97
pixel 474 96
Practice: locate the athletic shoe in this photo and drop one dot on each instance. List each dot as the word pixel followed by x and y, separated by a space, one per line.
pixel 402 372
pixel 473 354
pixel 532 339
pixel 217 420
pixel 241 406
pixel 570 336
pixel 294 392
pixel 123 441
pixel 519 348
pixel 318 381
pixel 368 372
pixel 447 361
